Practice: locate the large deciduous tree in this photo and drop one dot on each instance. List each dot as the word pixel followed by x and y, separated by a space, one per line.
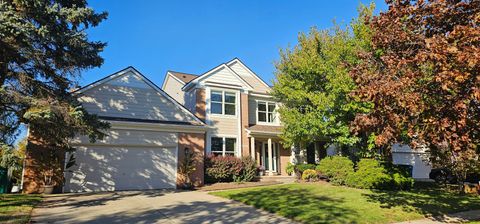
pixel 423 76
pixel 43 49
pixel 313 83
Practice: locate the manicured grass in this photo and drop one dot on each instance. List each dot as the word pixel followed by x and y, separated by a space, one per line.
pixel 325 203
pixel 16 208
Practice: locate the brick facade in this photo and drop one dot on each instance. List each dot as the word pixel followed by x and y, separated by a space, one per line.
pixel 244 124
pixel 200 104
pixel 40 159
pixel 195 142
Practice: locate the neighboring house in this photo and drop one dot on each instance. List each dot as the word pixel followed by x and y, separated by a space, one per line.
pixel 417 159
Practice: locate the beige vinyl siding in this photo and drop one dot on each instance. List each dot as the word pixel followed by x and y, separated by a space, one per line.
pixel 174 88
pixel 130 97
pixel 224 125
pixel 257 85
pixel 223 76
pixel 252 109
pixel 121 137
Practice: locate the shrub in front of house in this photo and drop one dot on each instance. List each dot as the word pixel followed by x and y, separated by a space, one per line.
pixel 336 168
pixel 249 170
pixel 228 169
pixel 371 174
pixel 309 175
pixel 300 168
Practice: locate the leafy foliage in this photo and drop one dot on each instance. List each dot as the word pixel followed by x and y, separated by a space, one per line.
pixel 188 165
pixel 371 174
pixel 43 48
pixel 309 175
pixel 313 83
pixel 229 168
pixel 302 167
pixel 336 168
pixel 290 169
pixel 422 76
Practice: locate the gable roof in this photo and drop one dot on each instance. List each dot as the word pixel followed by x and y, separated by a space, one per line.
pixel 253 78
pixel 213 70
pixel 132 70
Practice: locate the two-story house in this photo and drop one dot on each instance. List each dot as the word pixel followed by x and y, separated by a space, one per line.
pixel 235 103
pixel 225 111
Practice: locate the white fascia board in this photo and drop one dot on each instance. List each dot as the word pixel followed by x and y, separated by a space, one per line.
pixel 104 80
pixel 198 80
pixel 248 69
pixel 141 126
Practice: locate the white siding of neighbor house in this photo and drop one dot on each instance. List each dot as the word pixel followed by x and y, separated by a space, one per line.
pixel 257 85
pixel 173 88
pixel 418 159
pixel 223 76
pixel 128 96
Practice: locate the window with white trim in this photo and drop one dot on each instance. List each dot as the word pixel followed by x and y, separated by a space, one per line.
pixel 222 102
pixel 266 111
pixel 222 146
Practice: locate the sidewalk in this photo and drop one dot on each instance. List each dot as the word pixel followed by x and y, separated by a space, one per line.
pixel 460 217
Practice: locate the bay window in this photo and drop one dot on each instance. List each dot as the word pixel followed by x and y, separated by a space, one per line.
pixel 222 102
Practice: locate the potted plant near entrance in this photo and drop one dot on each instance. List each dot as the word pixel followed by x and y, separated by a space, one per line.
pixel 261 171
pixel 48 183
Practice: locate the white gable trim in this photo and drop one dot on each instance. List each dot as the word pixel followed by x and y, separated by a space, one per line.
pixel 144 79
pixel 209 73
pixel 236 60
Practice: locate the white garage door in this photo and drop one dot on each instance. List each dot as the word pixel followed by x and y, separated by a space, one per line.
pixel 138 166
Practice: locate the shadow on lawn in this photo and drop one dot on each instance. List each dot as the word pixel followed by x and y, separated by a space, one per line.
pixel 297 204
pixel 427 201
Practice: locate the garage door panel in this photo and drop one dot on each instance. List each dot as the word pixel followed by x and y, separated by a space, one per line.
pixel 133 137
pixel 102 168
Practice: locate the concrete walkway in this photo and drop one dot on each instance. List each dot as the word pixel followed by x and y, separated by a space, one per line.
pixel 460 217
pixel 148 207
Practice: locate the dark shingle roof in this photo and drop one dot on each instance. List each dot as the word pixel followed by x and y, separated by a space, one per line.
pixel 185 77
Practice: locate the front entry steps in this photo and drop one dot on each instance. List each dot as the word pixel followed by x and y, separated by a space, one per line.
pixel 277 178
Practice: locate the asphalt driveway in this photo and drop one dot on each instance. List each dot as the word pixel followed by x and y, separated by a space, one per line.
pixel 148 207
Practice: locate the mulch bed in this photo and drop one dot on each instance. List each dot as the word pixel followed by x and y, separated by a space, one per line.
pixel 233 185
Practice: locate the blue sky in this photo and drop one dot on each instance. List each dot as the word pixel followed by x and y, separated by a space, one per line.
pixel 195 36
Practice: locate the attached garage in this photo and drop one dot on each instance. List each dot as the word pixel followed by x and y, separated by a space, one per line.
pixel 147 140
pixel 125 160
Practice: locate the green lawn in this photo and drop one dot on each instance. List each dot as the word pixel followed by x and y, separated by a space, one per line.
pixel 16 208
pixel 325 203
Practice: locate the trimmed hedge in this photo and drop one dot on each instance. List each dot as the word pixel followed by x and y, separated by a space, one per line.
pixel 336 168
pixel 229 168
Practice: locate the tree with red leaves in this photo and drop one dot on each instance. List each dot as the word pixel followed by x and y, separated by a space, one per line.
pixel 422 76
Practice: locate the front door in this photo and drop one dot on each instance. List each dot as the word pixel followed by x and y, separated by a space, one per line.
pixel 265 157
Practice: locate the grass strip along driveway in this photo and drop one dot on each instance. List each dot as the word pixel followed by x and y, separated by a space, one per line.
pixel 17 208
pixel 325 203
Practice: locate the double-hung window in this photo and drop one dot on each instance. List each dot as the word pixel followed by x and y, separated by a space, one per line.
pixel 266 112
pixel 222 146
pixel 222 102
